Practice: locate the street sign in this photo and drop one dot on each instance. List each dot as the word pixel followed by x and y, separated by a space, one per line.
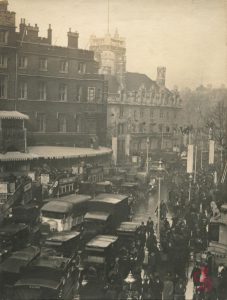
pixel 190 159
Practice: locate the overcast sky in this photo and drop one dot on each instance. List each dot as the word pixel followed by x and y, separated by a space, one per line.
pixel 187 36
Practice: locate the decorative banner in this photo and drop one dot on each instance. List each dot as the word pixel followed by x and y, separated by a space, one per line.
pixel 215 177
pixel 127 145
pixel 114 148
pixel 31 175
pixel 211 152
pixel 190 159
pixel 3 188
pixel 45 178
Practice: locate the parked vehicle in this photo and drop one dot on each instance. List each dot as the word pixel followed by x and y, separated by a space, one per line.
pixel 64 244
pixel 47 277
pixel 13 267
pixel 13 237
pixel 65 213
pixel 105 213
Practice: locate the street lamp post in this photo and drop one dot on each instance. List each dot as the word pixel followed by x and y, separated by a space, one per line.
pixel 190 186
pixel 160 169
pixel 130 279
pixel 147 163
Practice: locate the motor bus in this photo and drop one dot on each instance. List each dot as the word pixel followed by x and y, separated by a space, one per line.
pixel 47 277
pixel 65 213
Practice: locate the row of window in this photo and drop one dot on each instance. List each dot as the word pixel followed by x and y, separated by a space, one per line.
pixel 141 113
pixel 62 123
pixel 42 91
pixel 43 64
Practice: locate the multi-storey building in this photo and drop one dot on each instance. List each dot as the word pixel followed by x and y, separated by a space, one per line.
pixel 138 108
pixel 144 115
pixel 59 88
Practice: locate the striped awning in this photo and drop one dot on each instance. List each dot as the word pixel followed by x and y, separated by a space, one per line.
pixel 17 156
pixel 12 114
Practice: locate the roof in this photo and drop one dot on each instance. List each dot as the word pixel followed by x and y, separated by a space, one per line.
pixel 97 215
pixel 102 241
pixel 73 199
pixel 13 265
pixel 130 184
pixel 19 259
pixel 52 262
pixel 54 152
pixel 109 198
pixel 134 81
pixel 10 229
pixel 17 156
pixel 63 236
pixel 12 114
pixel 43 282
pixel 104 183
pixel 26 253
pixel 128 226
pixel 57 206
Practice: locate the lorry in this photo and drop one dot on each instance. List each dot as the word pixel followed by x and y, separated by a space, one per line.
pixel 105 213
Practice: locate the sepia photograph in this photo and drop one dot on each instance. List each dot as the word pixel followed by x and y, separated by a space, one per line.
pixel 113 149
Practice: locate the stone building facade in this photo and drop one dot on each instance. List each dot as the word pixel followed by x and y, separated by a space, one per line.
pixel 143 113
pixel 59 88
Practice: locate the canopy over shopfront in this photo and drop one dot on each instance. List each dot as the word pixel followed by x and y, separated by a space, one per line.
pixel 52 152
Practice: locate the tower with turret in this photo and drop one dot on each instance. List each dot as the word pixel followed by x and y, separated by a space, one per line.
pixel 110 53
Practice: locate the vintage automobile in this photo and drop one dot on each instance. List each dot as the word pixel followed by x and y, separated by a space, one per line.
pixel 66 212
pixel 95 188
pixel 99 254
pixel 127 232
pixel 105 213
pixel 13 237
pixel 13 267
pixel 64 244
pixel 47 277
pixel 28 213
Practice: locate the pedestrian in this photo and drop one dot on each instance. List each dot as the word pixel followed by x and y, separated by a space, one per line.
pixel 157 287
pixel 150 226
pixel 195 275
pixel 179 290
pixel 168 287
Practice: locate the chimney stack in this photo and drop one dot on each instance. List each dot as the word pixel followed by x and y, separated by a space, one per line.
pixel 73 39
pixel 49 34
pixel 161 76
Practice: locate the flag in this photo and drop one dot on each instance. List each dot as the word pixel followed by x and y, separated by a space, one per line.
pixel 190 159
pixel 127 145
pixel 211 152
pixel 114 148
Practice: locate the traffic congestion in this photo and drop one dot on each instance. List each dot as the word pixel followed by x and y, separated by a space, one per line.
pixel 126 236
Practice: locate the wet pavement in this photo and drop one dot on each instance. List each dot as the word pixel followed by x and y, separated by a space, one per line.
pixel 147 209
